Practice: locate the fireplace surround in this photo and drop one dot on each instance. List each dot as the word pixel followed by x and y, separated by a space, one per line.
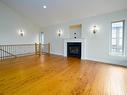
pixel 74 51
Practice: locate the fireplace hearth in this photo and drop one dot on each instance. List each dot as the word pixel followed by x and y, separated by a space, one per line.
pixel 74 49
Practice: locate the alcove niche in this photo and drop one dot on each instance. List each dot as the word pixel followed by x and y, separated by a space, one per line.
pixel 75 31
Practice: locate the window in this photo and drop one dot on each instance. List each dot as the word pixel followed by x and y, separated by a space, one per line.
pixel 117 38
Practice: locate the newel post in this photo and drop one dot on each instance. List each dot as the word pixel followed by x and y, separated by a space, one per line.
pixel 35 48
pixel 49 48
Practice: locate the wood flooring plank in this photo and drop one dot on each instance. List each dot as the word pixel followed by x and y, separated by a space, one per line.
pixel 57 75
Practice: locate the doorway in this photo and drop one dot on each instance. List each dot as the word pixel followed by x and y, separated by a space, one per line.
pixel 42 37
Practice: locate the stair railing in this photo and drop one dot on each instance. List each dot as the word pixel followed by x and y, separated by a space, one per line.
pixel 13 51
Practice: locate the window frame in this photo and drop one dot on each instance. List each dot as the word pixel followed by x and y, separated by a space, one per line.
pixel 123 42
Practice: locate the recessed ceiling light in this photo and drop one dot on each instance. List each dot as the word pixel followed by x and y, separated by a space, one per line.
pixel 44 6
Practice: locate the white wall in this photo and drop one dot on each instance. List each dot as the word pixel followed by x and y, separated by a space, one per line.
pixel 75 31
pixel 11 22
pixel 55 41
pixel 97 46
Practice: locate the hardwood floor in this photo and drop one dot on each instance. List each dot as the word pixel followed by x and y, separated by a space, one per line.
pixel 56 75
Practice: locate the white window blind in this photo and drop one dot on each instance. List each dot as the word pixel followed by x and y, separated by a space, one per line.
pixel 117 38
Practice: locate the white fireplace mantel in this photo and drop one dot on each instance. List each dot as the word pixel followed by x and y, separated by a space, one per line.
pixel 75 40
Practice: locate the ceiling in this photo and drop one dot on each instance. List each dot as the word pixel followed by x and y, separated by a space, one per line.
pixel 59 11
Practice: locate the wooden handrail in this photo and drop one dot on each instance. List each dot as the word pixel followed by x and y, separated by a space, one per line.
pixel 23 44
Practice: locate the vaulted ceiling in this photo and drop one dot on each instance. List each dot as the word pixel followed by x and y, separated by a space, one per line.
pixel 58 11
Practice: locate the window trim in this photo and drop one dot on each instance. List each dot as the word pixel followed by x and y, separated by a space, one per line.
pixel 110 46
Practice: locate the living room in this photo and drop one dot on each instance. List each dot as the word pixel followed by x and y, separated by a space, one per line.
pixel 63 47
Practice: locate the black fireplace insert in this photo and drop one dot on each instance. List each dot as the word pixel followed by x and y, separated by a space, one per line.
pixel 74 49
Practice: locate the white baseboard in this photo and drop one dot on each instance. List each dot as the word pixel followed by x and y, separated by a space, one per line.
pixel 122 63
pixel 57 53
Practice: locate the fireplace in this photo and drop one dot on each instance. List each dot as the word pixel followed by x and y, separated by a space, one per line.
pixel 74 49
pixel 72 43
